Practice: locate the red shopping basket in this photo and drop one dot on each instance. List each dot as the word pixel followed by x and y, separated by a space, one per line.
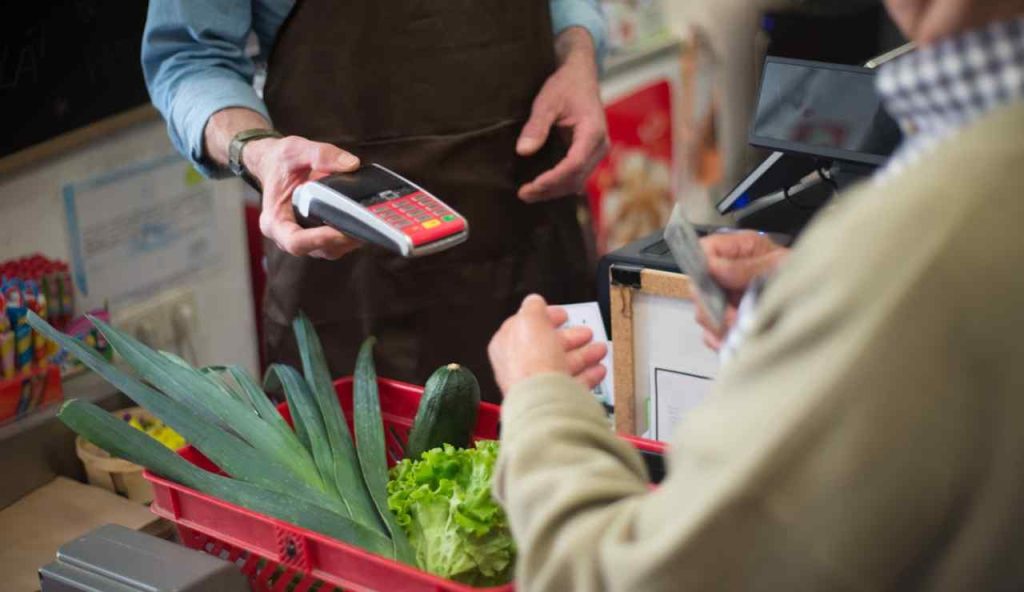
pixel 280 557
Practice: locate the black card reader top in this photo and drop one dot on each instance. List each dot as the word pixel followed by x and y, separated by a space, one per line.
pixel 372 186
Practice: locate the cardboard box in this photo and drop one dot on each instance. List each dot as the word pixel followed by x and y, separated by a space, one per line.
pixel 33 528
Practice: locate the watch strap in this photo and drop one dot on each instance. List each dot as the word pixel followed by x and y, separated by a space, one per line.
pixel 238 142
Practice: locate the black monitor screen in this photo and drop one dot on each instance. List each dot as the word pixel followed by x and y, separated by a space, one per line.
pixel 823 110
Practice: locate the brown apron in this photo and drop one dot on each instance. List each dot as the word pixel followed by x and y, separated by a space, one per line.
pixel 439 92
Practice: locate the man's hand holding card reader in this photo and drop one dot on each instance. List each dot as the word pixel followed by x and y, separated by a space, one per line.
pixel 379 206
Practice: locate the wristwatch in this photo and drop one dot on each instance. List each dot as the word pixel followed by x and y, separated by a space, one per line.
pixel 238 142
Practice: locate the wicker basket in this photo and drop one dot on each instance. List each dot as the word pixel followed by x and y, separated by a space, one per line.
pixel 114 474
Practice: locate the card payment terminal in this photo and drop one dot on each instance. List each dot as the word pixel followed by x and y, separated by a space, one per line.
pixel 379 206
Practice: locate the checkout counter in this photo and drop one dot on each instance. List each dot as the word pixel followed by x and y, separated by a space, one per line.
pixel 662 369
pixel 99 534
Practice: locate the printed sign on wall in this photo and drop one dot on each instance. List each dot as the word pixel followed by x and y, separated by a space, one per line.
pixel 139 229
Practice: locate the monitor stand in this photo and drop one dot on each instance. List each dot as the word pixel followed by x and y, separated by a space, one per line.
pixel 775 172
pixel 788 210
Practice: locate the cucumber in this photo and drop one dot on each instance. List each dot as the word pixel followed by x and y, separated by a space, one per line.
pixel 447 411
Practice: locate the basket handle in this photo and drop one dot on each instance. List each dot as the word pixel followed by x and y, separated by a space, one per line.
pixel 292 549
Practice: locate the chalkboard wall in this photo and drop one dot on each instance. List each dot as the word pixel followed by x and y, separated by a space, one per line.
pixel 65 64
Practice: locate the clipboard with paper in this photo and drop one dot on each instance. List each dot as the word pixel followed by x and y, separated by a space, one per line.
pixel 662 369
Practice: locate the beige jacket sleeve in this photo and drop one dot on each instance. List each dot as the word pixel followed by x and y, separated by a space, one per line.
pixel 853 443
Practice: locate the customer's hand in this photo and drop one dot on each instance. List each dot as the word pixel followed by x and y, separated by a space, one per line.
pixel 735 259
pixel 283 164
pixel 570 100
pixel 529 343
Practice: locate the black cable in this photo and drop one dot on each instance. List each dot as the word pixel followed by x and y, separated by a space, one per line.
pixel 827 177
pixel 796 203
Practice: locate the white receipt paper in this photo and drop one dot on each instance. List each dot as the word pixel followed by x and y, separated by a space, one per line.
pixel 676 394
pixel 588 314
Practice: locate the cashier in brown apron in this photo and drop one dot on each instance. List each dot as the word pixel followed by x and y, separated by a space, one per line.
pixel 440 92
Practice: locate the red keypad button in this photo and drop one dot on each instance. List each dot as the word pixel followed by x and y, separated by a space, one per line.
pixel 420 217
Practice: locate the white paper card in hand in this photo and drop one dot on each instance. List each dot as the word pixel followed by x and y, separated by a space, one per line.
pixel 682 240
pixel 588 314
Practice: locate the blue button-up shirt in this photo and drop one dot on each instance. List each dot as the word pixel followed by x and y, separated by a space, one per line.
pixel 195 61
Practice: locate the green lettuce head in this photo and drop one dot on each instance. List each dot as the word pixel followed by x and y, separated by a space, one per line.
pixel 443 501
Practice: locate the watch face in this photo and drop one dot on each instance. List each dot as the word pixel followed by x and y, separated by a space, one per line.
pixel 235 156
pixel 238 144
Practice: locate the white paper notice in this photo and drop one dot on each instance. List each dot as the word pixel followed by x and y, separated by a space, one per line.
pixel 138 229
pixel 675 395
pixel 588 314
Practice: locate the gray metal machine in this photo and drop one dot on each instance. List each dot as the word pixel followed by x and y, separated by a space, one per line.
pixel 117 559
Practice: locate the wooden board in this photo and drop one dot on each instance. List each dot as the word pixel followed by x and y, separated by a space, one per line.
pixel 664 283
pixel 653 282
pixel 622 359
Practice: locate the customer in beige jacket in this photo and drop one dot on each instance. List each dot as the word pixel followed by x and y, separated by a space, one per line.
pixel 869 432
